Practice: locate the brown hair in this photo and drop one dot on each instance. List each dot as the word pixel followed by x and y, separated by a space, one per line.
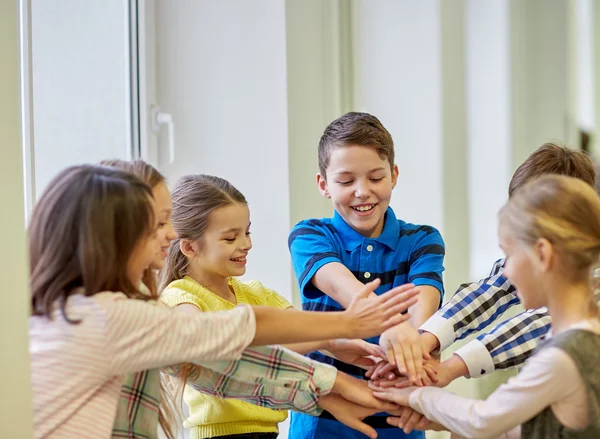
pixel 551 158
pixel 149 175
pixel 362 129
pixel 565 211
pixel 82 233
pixel 152 177
pixel 195 197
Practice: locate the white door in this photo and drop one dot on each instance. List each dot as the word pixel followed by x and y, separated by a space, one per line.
pixel 219 70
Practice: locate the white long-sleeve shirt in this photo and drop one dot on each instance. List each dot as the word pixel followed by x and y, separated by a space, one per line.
pixel 549 378
pixel 77 369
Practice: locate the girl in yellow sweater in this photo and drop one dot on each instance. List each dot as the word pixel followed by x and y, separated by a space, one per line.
pixel 212 220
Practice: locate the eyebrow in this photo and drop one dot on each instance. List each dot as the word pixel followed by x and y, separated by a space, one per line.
pixel 236 229
pixel 343 171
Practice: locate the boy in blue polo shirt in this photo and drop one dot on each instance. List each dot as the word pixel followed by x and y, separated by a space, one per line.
pixel 364 240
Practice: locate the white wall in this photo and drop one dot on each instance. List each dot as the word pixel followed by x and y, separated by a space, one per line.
pixel 80 73
pixel 15 398
pixel 221 73
pixel 488 125
pixel 398 57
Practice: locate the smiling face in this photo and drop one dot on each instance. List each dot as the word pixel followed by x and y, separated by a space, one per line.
pixel 145 251
pixel 165 231
pixel 359 183
pixel 226 242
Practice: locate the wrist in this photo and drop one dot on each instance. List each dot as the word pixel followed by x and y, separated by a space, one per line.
pixel 349 327
pixel 430 341
pixel 456 366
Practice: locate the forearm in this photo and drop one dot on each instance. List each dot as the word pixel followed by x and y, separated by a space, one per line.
pixel 297 327
pixel 508 345
pixel 472 308
pixel 269 376
pixel 305 348
pixel 427 305
pixel 268 395
pixel 338 282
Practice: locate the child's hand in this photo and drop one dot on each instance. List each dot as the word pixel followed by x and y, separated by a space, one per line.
pixel 404 349
pixel 410 420
pixel 394 395
pixel 352 414
pixel 370 315
pixel 395 379
pixel 357 352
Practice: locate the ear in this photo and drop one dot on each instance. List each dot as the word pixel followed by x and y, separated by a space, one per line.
pixel 394 176
pixel 322 184
pixel 189 248
pixel 544 252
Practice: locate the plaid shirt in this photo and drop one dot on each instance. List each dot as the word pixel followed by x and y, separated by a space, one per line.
pixel 268 376
pixel 476 305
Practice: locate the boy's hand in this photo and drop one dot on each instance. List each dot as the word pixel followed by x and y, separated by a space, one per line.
pixel 369 315
pixel 357 352
pixel 404 349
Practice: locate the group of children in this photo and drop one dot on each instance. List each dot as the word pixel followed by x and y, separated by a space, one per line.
pixel 137 304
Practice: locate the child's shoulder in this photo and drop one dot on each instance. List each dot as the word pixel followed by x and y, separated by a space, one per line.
pixel 254 292
pixel 420 238
pixel 416 230
pixel 315 223
pixel 314 230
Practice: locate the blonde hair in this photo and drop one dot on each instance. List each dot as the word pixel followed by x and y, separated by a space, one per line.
pixel 563 210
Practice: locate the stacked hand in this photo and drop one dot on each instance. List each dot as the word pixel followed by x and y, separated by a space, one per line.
pixel 352 400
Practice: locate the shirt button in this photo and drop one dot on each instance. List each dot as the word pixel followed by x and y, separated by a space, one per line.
pixel 367 275
pixel 369 248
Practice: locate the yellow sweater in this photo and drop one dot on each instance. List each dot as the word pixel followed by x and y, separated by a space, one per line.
pixel 210 416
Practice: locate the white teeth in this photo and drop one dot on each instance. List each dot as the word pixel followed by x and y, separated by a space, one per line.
pixel 364 208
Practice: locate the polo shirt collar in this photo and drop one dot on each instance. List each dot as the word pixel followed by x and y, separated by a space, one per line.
pixel 390 235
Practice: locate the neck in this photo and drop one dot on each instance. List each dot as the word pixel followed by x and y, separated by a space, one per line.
pixel 569 304
pixel 215 283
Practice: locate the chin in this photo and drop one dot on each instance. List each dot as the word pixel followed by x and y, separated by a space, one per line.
pixel 157 265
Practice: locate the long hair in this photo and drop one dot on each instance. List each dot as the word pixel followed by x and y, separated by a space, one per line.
pixel 82 233
pixel 167 414
pixel 152 177
pixel 565 211
pixel 195 198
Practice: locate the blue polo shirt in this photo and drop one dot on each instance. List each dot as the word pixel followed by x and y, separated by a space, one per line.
pixel 403 253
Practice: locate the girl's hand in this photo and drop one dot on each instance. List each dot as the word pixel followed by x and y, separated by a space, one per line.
pixel 410 420
pixel 369 315
pixel 357 352
pixel 352 414
pixel 392 394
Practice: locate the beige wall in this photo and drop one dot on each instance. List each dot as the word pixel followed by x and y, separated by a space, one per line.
pixel 15 399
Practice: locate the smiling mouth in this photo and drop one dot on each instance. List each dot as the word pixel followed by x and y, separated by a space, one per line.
pixel 240 259
pixel 364 207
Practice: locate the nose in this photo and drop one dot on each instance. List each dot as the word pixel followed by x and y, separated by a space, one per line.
pixel 247 244
pixel 171 234
pixel 362 189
